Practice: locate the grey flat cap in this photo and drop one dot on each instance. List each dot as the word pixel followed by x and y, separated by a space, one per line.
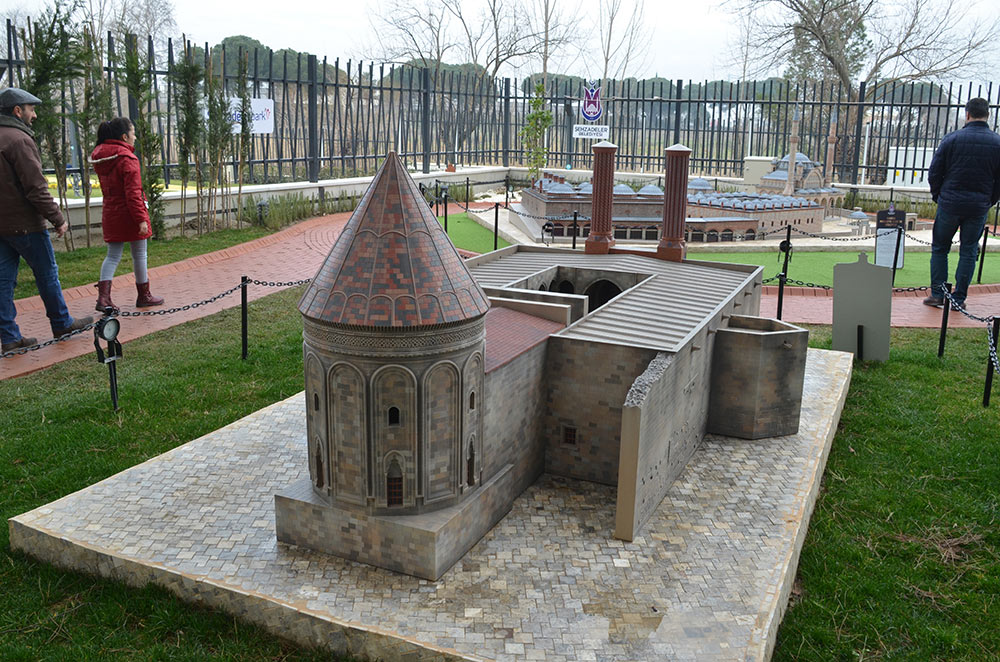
pixel 14 96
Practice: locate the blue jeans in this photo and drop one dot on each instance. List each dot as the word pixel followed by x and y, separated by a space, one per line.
pixel 36 249
pixel 946 224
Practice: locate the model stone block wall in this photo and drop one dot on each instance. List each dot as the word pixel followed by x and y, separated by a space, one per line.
pixel 588 383
pixel 756 379
pixel 513 432
pixel 664 421
pixel 809 219
pixel 424 545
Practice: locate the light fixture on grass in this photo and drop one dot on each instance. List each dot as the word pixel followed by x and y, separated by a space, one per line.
pixel 107 329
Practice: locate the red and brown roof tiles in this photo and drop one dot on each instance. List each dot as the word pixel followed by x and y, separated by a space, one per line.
pixel 393 265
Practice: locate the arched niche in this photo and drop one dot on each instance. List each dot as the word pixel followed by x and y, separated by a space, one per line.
pixel 442 398
pixel 348 431
pixel 395 387
pixel 600 292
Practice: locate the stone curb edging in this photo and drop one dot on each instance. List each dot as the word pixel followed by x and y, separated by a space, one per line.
pixel 772 290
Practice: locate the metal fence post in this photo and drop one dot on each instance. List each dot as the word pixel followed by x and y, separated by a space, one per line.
pixel 506 123
pixel 244 281
pixel 858 125
pixel 425 118
pixel 496 224
pixel 677 113
pixel 313 122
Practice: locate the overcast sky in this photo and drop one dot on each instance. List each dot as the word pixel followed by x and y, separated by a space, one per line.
pixel 690 37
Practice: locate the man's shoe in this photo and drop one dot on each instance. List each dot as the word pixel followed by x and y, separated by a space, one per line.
pixel 78 323
pixel 934 301
pixel 18 344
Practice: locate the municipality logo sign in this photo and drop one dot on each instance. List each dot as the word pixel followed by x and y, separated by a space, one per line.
pixel 592 109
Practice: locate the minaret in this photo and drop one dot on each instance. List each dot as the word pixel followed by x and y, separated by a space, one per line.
pixel 675 183
pixel 601 237
pixel 831 144
pixel 793 141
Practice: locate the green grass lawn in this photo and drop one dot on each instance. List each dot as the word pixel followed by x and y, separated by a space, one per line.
pixel 466 233
pixel 818 267
pixel 59 435
pixel 902 559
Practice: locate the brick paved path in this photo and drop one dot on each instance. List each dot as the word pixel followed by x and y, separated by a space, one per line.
pixel 297 252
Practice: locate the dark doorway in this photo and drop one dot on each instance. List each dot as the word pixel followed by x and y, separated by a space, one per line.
pixel 567 287
pixel 601 292
pixel 394 485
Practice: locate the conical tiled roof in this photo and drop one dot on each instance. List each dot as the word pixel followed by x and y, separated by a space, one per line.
pixel 393 265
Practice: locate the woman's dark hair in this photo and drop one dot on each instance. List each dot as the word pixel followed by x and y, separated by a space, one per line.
pixel 113 129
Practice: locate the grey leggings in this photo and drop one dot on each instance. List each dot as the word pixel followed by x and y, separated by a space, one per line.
pixel 114 256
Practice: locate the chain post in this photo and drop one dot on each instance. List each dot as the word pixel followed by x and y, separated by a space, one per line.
pixel 467 194
pixel 446 212
pixel 576 217
pixel 244 281
pixel 783 276
pixel 895 255
pixel 506 191
pixel 982 255
pixel 496 224
pixel 944 319
pixel 989 361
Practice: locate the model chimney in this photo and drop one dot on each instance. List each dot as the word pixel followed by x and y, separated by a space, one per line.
pixel 601 239
pixel 675 184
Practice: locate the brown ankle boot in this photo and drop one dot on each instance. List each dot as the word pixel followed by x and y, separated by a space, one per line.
pixel 104 297
pixel 145 299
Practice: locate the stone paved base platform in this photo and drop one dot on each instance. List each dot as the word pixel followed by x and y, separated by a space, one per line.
pixel 707 579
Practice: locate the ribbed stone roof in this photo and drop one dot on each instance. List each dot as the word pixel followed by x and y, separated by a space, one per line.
pixel 393 265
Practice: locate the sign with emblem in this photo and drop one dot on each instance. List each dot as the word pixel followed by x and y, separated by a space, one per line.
pixel 262 115
pixel 592 110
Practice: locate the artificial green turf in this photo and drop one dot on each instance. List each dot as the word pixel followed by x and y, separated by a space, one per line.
pixel 818 267
pixel 901 558
pixel 900 562
pixel 469 235
pixel 83 265
pixel 59 435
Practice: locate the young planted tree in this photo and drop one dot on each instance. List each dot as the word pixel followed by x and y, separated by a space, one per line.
pixel 188 76
pixel 139 83
pixel 93 107
pixel 52 58
pixel 218 141
pixel 246 125
pixel 536 123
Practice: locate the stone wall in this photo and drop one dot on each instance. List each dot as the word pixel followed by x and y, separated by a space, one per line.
pixel 512 430
pixel 587 385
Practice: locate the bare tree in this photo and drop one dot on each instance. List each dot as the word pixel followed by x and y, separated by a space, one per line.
pixel 866 40
pixel 146 17
pixel 557 34
pixel 623 35
pixel 407 33
pixel 495 37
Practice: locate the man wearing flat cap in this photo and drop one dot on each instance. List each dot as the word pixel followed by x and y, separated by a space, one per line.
pixel 25 206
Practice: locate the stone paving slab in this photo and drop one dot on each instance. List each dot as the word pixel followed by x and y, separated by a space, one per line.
pixel 707 579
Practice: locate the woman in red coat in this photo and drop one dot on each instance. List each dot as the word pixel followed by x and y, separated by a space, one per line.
pixel 124 217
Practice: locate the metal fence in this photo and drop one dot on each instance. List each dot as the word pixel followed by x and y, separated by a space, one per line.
pixel 335 119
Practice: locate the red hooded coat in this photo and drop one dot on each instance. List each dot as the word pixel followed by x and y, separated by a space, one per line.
pixel 117 167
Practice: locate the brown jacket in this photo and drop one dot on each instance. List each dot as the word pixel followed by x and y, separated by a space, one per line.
pixel 25 201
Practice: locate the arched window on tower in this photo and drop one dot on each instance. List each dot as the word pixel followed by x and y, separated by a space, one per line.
pixel 394 485
pixel 472 401
pixel 393 416
pixel 320 481
pixel 470 470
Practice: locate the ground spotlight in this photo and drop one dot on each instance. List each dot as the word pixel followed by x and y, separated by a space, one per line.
pixel 107 329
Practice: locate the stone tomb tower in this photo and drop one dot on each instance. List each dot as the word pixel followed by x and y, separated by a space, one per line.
pixel 394 372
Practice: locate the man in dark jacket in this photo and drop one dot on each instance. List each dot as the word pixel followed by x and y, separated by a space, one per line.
pixel 965 182
pixel 25 206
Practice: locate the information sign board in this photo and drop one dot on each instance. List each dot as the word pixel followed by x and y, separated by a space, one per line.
pixel 592 131
pixel 887 225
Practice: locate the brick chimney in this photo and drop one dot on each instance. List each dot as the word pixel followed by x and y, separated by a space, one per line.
pixel 675 184
pixel 601 238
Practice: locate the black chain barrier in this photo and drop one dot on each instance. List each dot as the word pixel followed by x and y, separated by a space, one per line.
pixel 991 324
pixel 149 313
pixel 53 341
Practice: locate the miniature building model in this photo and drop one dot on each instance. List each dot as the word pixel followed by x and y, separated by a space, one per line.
pixel 438 390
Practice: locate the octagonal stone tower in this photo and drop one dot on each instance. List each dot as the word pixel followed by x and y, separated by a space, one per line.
pixel 394 371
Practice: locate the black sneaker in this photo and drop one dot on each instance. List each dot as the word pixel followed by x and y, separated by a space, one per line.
pixel 78 323
pixel 936 302
pixel 18 344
